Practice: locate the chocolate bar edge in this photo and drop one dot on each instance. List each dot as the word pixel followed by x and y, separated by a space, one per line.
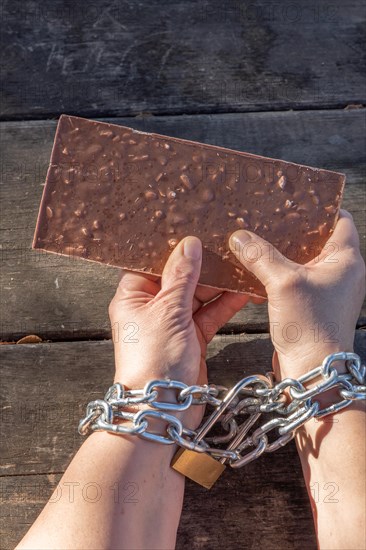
pixel 158 275
pixel 44 192
pixel 191 142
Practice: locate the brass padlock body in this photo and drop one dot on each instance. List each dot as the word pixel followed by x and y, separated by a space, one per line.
pixel 199 467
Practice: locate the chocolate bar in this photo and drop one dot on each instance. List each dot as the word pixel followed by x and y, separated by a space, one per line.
pixel 125 198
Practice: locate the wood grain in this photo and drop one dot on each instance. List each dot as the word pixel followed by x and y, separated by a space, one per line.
pixel 245 509
pixel 264 505
pixel 121 58
pixel 66 298
pixel 222 60
pixel 40 412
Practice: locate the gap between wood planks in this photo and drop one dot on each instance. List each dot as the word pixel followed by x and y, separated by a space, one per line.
pixel 194 112
pixel 344 106
pixel 33 474
pixel 361 325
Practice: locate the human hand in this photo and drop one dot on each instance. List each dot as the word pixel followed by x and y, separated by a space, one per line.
pixel 161 328
pixel 313 308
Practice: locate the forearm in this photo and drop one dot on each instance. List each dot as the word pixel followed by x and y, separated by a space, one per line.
pixel 333 454
pixel 118 492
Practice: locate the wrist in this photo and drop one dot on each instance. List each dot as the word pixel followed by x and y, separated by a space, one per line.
pixel 189 417
pixel 330 386
pixel 319 427
pixel 302 361
pixel 327 444
pixel 147 460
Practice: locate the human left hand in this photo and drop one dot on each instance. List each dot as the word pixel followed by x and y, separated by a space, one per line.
pixel 161 328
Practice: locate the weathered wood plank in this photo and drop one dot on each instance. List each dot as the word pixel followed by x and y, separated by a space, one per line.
pixel 219 519
pixel 40 412
pixel 244 510
pixel 179 56
pixel 264 505
pixel 66 298
pixel 55 381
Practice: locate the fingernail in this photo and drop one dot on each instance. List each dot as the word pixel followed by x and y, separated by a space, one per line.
pixel 192 248
pixel 239 238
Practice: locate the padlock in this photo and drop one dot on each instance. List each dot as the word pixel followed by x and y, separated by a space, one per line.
pixel 199 467
pixel 202 467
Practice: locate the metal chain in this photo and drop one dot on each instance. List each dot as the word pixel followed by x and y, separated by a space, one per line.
pixel 282 408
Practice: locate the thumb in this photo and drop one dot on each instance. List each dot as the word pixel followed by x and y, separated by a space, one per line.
pixel 182 270
pixel 259 257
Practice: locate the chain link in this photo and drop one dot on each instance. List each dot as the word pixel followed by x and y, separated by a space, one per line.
pixel 284 407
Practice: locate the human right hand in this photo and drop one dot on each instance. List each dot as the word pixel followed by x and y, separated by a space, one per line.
pixel 313 308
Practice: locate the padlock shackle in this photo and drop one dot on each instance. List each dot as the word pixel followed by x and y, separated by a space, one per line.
pixel 257 379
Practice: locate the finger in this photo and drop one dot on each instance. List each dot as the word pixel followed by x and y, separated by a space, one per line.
pixel 259 256
pixel 214 315
pixel 155 278
pixel 344 236
pixel 256 300
pixel 203 295
pixel 182 271
pixel 345 233
pixel 197 304
pixel 132 281
pixel 206 294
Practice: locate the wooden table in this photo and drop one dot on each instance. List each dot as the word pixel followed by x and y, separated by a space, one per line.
pixel 279 79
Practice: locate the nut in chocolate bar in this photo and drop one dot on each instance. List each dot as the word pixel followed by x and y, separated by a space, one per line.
pixel 123 197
